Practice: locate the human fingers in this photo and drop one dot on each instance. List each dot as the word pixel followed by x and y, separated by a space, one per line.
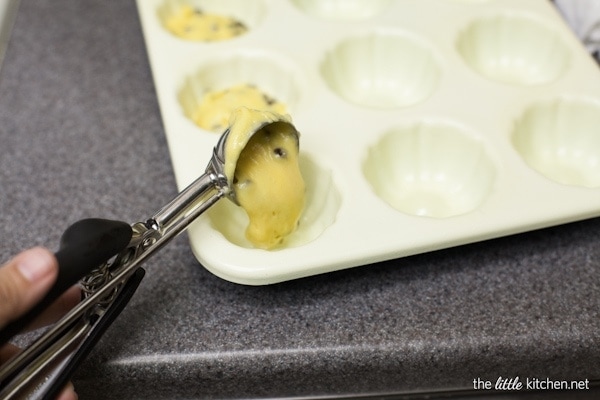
pixel 58 308
pixel 24 281
pixel 68 393
pixel 9 350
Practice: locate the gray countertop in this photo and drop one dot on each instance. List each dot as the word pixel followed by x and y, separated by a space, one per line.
pixel 81 136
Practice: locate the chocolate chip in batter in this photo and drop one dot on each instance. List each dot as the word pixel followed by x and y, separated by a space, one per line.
pixel 279 152
pixel 269 100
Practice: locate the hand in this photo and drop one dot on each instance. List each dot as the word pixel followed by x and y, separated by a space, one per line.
pixel 24 281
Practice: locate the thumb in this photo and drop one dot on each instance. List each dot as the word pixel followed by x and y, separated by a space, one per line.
pixel 24 281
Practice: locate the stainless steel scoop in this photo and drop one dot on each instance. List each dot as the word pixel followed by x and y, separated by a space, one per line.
pixel 105 256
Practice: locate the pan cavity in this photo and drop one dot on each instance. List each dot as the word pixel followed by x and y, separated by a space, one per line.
pixel 254 79
pixel 430 169
pixel 514 48
pixel 561 140
pixel 323 201
pixel 210 20
pixel 342 9
pixel 382 69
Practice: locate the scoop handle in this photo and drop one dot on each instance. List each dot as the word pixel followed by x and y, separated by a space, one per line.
pixel 84 246
pixel 105 321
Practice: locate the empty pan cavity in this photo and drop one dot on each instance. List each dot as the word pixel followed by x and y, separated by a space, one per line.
pixel 342 9
pixel 561 140
pixel 514 48
pixel 384 68
pixel 430 169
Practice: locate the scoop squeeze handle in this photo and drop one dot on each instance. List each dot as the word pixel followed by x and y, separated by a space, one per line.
pixel 85 245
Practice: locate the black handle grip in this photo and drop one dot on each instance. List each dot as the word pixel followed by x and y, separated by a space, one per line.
pixel 85 245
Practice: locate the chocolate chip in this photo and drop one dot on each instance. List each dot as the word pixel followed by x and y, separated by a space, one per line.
pixel 269 100
pixel 279 152
pixel 238 25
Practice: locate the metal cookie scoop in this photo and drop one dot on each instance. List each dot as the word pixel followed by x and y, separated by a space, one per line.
pixel 105 256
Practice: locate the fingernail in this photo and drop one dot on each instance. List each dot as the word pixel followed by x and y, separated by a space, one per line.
pixel 34 264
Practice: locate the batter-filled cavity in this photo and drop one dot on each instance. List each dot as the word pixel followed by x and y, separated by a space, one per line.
pixel 194 24
pixel 216 107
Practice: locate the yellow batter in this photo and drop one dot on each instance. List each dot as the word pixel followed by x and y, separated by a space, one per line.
pixel 216 107
pixel 266 176
pixel 193 24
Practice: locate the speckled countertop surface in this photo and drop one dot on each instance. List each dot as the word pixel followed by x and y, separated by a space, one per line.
pixel 81 136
